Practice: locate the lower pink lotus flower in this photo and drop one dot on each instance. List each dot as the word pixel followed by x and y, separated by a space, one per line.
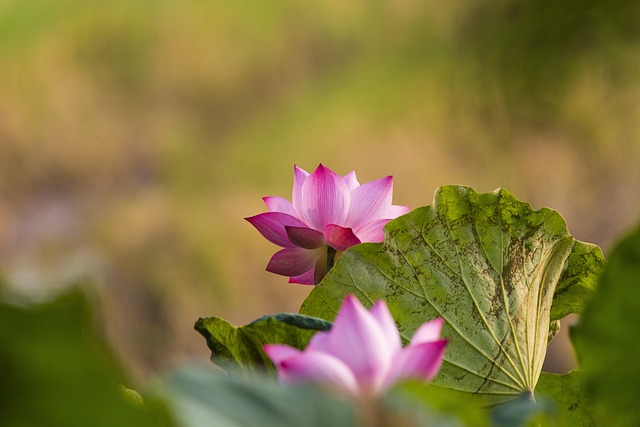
pixel 328 213
pixel 362 353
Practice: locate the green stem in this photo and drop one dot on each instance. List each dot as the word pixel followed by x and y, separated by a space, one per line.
pixel 331 256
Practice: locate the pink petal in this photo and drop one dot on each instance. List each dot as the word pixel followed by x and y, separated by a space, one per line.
pixel 305 237
pixel 316 274
pixel 271 226
pixel 325 198
pixel 372 231
pixel 312 366
pixel 306 278
pixel 278 204
pixel 280 352
pixel 351 180
pixel 339 238
pixel 381 314
pixel 299 178
pixel 320 341
pixel 429 331
pixel 421 361
pixel 395 211
pixel 357 340
pixel 292 261
pixel 370 201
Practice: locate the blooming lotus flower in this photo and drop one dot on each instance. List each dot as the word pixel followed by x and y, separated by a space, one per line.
pixel 362 353
pixel 328 213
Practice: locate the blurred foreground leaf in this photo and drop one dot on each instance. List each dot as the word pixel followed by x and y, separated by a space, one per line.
pixel 201 397
pixel 241 347
pixel 443 400
pixel 498 272
pixel 56 370
pixel 606 340
pixel 523 412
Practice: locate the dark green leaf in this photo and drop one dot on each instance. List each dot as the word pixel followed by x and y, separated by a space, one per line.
pixel 490 266
pixel 606 340
pixel 241 347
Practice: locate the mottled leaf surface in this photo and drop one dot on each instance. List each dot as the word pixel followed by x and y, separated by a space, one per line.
pixel 578 280
pixel 567 391
pixel 488 264
pixel 234 348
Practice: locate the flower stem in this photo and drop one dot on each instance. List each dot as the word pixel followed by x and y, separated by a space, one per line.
pixel 331 256
pixel 372 413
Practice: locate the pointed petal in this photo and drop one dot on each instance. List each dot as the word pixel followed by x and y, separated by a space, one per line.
pixel 305 237
pixel 271 226
pixel 316 274
pixel 395 211
pixel 381 313
pixel 340 238
pixel 325 198
pixel 306 278
pixel 320 341
pixel 299 177
pixel 429 331
pixel 370 201
pixel 351 180
pixel 313 366
pixel 278 204
pixel 280 352
pixel 357 340
pixel 421 361
pixel 372 231
pixel 292 261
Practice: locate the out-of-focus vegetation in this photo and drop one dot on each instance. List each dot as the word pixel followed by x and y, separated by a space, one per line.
pixel 136 135
pixel 606 340
pixel 56 371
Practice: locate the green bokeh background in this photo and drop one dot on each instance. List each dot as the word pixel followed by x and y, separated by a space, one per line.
pixel 135 135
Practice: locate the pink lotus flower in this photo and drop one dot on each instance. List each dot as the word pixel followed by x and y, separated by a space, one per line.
pixel 328 213
pixel 362 353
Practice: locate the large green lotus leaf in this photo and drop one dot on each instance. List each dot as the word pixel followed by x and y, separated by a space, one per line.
pixel 606 339
pixel 497 271
pixel 240 348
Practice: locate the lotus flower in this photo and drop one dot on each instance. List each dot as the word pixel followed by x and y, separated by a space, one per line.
pixel 362 354
pixel 328 214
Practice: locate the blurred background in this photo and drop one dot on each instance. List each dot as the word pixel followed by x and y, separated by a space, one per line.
pixel 136 135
